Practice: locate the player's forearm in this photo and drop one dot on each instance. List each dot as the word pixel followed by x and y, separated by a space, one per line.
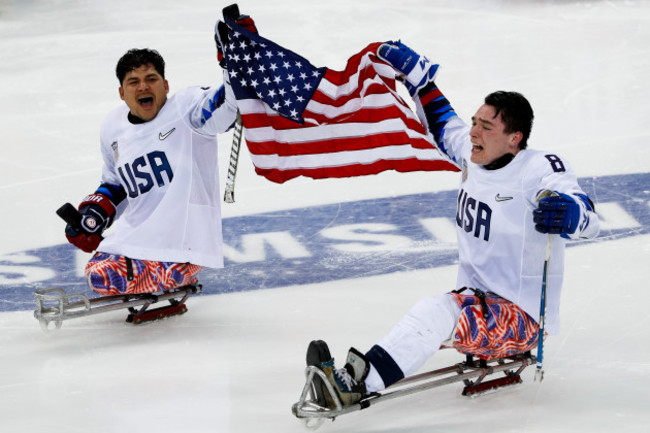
pixel 589 224
pixel 217 112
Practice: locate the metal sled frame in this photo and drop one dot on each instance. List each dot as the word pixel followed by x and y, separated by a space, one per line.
pixel 471 372
pixel 54 305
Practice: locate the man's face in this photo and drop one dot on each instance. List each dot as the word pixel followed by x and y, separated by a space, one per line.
pixel 145 92
pixel 489 139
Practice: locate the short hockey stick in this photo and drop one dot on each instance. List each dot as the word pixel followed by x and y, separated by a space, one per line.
pixel 539 372
pixel 232 11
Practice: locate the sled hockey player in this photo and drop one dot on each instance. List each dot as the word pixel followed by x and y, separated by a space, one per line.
pixel 513 203
pixel 159 184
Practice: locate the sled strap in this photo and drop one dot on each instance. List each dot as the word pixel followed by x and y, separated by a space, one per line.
pixel 386 366
pixel 480 294
pixel 129 268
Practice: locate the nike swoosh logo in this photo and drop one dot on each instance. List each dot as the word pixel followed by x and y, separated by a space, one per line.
pixel 165 135
pixel 499 198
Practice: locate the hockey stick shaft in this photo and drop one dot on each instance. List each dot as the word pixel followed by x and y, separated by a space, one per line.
pixel 232 11
pixel 539 373
pixel 229 194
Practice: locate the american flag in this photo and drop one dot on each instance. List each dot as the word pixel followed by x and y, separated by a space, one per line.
pixel 300 120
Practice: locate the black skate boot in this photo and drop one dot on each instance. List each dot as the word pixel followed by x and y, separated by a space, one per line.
pixel 317 354
pixel 348 381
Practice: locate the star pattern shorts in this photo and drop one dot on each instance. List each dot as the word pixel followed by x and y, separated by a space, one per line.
pixel 507 330
pixel 110 274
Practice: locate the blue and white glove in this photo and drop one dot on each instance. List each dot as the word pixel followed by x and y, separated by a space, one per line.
pixel 419 74
pixel 557 213
pixel 416 70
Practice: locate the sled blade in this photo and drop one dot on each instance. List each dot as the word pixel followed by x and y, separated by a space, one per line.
pixel 491 385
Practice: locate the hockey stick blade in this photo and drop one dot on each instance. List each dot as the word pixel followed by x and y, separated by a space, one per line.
pixel 70 214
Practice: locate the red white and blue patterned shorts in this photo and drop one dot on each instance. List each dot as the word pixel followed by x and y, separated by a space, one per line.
pixel 110 274
pixel 504 329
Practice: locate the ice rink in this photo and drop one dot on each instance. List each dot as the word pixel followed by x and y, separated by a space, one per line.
pixel 234 363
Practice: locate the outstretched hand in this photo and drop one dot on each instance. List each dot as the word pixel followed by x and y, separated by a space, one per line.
pixel 557 214
pixel 221 35
pixel 416 70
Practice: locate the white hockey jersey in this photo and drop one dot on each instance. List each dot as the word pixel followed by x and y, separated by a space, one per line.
pixel 169 169
pixel 499 249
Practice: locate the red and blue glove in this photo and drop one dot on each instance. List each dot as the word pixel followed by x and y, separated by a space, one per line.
pixel 97 213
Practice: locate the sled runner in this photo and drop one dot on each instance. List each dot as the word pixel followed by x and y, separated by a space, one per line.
pixel 54 305
pixel 471 372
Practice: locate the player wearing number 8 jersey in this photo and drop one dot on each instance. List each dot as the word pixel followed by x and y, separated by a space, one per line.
pixel 499 248
pixel 503 225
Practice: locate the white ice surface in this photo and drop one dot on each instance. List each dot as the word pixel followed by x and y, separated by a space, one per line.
pixel 234 363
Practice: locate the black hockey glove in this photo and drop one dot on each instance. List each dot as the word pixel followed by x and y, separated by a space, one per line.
pixel 221 34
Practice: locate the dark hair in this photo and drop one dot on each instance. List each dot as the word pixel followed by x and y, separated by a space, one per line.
pixel 135 57
pixel 516 113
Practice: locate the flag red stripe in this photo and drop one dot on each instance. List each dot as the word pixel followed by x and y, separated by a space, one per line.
pixel 341 77
pixel 340 100
pixel 337 145
pixel 365 115
pixel 352 170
